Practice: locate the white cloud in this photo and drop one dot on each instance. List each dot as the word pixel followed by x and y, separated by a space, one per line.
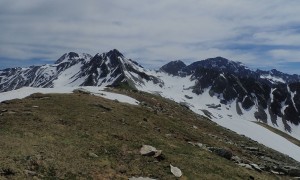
pixel 150 29
pixel 286 55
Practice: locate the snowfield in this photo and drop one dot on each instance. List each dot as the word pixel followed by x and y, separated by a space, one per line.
pixel 98 91
pixel 177 89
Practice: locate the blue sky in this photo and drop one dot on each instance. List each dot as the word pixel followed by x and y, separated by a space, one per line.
pixel 261 34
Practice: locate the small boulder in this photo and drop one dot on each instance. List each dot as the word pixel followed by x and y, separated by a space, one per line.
pixel 158 153
pixel 236 159
pixel 147 150
pixel 93 155
pixel 248 166
pixel 175 171
pixel 81 91
pixel 252 148
pixel 202 146
pixel 256 167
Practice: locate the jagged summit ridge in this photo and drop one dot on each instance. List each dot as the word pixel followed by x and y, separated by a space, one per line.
pixel 74 69
pixel 72 56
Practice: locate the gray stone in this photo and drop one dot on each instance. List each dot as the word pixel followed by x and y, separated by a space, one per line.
pixel 82 91
pixel 248 166
pixel 147 150
pixel 93 155
pixel 158 153
pixel 256 167
pixel 277 173
pixel 175 171
pixel 252 148
pixel 200 145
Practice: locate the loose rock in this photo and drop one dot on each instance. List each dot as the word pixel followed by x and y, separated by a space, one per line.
pixel 252 148
pixel 93 155
pixel 248 166
pixel 147 150
pixel 256 167
pixel 158 153
pixel 175 171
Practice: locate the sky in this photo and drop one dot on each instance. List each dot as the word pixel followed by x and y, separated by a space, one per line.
pixel 262 34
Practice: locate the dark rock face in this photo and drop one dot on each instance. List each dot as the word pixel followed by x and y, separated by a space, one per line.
pixel 247 102
pixel 174 67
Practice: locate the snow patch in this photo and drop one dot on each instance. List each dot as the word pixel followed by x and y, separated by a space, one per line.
pixel 273 79
pixel 98 91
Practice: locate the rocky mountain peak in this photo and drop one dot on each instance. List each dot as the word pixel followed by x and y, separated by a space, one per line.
pixel 71 56
pixel 114 53
pixel 173 67
pixel 66 57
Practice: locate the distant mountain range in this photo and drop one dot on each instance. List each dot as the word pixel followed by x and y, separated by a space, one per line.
pixel 218 88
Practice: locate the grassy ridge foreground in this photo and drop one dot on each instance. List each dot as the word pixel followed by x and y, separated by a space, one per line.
pixel 81 136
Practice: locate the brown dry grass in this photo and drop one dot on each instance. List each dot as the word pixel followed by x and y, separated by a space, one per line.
pixel 54 140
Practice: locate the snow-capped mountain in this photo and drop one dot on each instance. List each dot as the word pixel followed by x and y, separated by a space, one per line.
pixel 225 91
pixel 271 97
pixel 73 69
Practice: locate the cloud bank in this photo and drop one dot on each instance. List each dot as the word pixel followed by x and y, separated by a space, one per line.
pixel 264 34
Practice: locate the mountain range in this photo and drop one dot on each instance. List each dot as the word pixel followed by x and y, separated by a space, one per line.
pixel 225 91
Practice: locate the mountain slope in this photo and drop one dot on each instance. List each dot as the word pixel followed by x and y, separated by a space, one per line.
pixel 271 97
pixel 95 138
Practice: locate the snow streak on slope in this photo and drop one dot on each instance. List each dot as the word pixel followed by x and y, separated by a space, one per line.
pixel 273 79
pixel 98 91
pixel 179 89
pixel 66 78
